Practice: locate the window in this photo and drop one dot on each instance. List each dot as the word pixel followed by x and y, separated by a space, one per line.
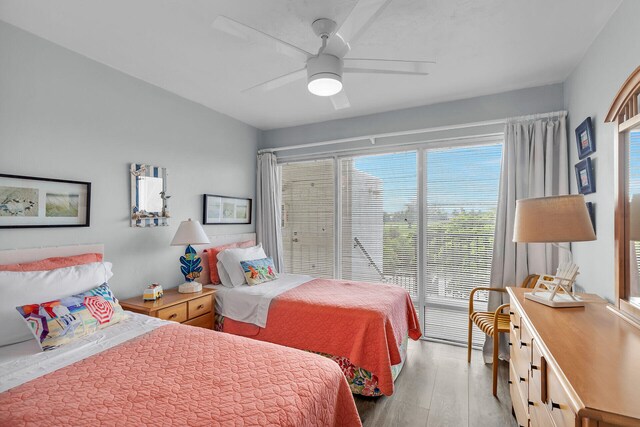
pixel 460 213
pixel 421 219
pixel 379 220
pixel 308 218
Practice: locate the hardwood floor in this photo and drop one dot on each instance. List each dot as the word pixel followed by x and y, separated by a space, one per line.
pixel 437 387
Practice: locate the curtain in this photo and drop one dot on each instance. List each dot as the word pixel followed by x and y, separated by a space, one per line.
pixel 268 203
pixel 534 164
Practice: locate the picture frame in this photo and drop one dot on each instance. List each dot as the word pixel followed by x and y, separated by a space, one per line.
pixel 35 202
pixel 585 177
pixel 585 140
pixel 225 210
pixel 591 208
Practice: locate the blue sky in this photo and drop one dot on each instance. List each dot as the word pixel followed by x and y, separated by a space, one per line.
pixel 466 176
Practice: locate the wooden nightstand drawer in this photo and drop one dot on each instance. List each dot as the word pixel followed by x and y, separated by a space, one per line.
pixel 517 400
pixel 175 313
pixel 200 306
pixel 204 321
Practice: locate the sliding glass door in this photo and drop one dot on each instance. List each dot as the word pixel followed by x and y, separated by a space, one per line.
pixel 422 219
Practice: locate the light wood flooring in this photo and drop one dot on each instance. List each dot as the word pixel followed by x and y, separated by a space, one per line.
pixel 437 387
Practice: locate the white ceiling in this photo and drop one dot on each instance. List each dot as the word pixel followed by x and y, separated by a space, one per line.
pixel 481 47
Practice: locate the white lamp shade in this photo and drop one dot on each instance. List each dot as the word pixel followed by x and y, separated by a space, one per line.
pixel 552 220
pixel 190 233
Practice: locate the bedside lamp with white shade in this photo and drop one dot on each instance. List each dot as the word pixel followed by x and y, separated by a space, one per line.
pixel 555 219
pixel 190 233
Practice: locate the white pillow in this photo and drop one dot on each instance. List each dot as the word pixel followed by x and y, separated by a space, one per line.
pixel 230 259
pixel 224 276
pixel 34 287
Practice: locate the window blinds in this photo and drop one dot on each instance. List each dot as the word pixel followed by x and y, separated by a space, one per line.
pixel 459 222
pixel 379 221
pixel 308 217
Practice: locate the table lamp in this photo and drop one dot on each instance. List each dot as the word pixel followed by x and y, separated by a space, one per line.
pixel 190 233
pixel 555 219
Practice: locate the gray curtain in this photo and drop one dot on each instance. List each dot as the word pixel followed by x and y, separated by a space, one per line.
pixel 534 164
pixel 268 203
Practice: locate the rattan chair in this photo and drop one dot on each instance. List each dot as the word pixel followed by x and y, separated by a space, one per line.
pixel 493 323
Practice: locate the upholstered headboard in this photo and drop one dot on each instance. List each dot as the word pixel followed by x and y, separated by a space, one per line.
pixel 218 241
pixel 15 256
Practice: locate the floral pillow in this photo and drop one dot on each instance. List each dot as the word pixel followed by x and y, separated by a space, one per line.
pixel 259 270
pixel 59 322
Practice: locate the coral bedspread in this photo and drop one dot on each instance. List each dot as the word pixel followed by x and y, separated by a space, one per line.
pixel 363 322
pixel 181 375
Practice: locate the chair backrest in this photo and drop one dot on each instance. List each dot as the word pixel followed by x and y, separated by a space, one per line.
pixel 567 270
pixel 530 281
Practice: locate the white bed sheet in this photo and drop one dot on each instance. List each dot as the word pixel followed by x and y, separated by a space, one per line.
pixel 250 304
pixel 23 362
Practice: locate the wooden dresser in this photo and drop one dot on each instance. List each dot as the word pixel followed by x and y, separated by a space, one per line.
pixel 577 367
pixel 195 309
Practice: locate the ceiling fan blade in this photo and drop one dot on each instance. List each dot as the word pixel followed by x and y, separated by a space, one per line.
pixel 279 81
pixel 244 32
pixel 358 20
pixel 419 67
pixel 378 71
pixel 340 100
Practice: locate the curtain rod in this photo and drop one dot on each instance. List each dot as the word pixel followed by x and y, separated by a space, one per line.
pixel 372 138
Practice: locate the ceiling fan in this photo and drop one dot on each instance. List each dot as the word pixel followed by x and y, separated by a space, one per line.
pixel 324 69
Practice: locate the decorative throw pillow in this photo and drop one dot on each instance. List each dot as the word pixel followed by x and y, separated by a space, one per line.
pixel 259 270
pixel 59 322
pixel 212 257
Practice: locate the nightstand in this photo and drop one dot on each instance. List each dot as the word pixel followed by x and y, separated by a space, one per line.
pixel 195 309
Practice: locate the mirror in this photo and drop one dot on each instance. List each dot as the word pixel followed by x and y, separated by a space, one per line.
pixel 633 218
pixel 148 196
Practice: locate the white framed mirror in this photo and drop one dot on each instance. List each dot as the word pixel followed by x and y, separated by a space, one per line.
pixel 149 196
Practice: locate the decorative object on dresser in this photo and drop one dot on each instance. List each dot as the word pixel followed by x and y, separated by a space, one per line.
pixel 563 375
pixel 30 202
pixel 153 292
pixel 190 233
pixel 195 309
pixel 584 139
pixel 492 323
pixel 585 177
pixel 148 196
pixel 554 220
pixel 225 210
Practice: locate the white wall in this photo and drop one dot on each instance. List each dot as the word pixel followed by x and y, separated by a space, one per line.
pixel 589 91
pixel 515 103
pixel 65 116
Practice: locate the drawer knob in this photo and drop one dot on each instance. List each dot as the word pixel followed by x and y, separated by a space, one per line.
pixel 200 307
pixel 173 316
pixel 511 313
pixel 523 344
pixel 516 327
pixel 534 367
pixel 510 344
pixel 522 379
pixel 554 405
pixel 510 382
pixel 530 403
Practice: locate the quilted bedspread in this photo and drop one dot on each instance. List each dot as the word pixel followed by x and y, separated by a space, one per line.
pixel 182 375
pixel 363 322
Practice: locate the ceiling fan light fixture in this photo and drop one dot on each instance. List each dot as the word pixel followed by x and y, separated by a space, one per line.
pixel 325 84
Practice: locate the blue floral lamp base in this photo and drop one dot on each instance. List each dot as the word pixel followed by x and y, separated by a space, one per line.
pixel 190 267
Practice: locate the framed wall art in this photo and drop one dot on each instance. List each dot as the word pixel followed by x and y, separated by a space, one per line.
pixel 225 210
pixel 584 177
pixel 585 139
pixel 31 202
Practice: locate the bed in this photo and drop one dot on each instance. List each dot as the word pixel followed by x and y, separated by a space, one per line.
pixel 144 370
pixel 363 327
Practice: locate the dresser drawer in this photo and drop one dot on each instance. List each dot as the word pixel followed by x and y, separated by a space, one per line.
pixel 200 306
pixel 175 313
pixel 538 412
pixel 538 368
pixel 558 402
pixel 204 321
pixel 520 374
pixel 519 403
